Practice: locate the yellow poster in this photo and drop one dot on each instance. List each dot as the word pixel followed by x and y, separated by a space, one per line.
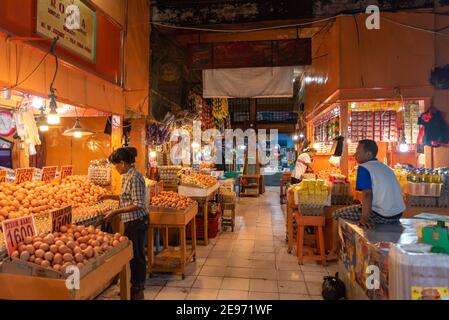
pixel 430 293
pixel 73 21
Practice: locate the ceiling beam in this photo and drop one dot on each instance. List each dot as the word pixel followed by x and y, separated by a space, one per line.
pixel 265 35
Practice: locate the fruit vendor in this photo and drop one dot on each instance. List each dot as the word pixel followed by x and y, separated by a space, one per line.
pixel 303 165
pixel 133 213
pixel 382 201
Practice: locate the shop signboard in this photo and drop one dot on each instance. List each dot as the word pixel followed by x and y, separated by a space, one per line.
pixel 55 19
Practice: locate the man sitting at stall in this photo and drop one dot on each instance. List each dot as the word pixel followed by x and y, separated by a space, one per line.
pixel 382 201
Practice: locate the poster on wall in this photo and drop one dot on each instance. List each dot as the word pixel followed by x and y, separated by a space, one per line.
pixel 53 18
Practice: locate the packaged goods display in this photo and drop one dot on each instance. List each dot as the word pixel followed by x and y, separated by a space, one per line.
pixel 73 245
pixel 40 197
pixel 375 125
pixel 310 191
pixel 100 172
pixel 170 199
pixel 199 180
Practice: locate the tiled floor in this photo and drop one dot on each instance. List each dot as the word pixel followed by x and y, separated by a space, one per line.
pixel 250 263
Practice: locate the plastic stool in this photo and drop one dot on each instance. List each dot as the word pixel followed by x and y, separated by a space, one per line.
pixel 311 221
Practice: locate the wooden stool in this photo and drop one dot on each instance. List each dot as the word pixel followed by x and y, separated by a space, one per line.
pixel 227 221
pixel 311 221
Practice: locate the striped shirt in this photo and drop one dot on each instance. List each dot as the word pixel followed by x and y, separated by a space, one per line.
pixel 134 192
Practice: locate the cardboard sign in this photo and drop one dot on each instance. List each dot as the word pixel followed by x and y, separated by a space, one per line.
pixel 24 175
pixel 66 171
pixel 16 230
pixel 3 174
pixel 61 217
pixel 48 173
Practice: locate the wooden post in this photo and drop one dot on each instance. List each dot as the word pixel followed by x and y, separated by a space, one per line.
pixel 344 120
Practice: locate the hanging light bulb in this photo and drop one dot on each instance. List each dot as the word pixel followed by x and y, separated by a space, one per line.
pixel 53 116
pixel 403 147
pixel 153 154
pixel 41 122
pixel 301 135
pixel 77 131
pixel 295 137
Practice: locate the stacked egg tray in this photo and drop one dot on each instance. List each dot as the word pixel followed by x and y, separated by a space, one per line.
pixel 100 175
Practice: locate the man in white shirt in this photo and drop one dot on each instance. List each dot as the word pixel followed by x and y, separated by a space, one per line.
pixel 382 200
pixel 303 165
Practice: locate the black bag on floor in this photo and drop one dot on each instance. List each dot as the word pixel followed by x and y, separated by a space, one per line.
pixel 333 288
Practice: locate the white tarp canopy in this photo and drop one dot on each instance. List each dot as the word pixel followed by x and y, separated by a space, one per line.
pixel 248 82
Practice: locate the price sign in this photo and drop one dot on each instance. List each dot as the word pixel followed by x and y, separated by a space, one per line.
pixel 16 230
pixel 61 217
pixel 3 174
pixel 48 173
pixel 66 171
pixel 24 175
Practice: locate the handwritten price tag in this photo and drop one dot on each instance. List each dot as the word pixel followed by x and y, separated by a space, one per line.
pixel 24 175
pixel 16 230
pixel 66 171
pixel 48 173
pixel 3 174
pixel 61 217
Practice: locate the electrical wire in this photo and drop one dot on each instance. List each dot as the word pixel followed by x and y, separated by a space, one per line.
pixel 18 83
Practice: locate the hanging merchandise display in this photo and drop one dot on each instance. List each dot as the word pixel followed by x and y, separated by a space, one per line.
pixel 374 125
pixel 327 127
pixel 435 130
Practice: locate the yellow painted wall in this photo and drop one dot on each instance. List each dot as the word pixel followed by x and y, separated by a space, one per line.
pixel 61 150
pixel 370 64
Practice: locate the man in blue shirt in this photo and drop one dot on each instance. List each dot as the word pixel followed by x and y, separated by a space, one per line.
pixel 382 200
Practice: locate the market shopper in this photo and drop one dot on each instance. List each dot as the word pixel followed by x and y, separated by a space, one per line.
pixel 133 213
pixel 303 165
pixel 382 201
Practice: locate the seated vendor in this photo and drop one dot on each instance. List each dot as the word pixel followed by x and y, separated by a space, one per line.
pixel 382 201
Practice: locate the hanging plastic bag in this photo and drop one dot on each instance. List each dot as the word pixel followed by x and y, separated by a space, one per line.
pixel 333 288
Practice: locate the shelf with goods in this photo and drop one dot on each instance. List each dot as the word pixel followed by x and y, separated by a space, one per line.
pixel 169 210
pixel 326 128
pixel 203 189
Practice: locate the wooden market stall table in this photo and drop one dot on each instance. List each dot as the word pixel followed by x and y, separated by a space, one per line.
pixel 20 286
pixel 328 228
pixel 403 273
pixel 169 259
pixel 203 197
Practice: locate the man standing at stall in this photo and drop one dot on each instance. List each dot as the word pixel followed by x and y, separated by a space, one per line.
pixel 382 201
pixel 303 165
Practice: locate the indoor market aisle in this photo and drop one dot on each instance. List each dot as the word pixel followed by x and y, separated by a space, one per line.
pixel 250 263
